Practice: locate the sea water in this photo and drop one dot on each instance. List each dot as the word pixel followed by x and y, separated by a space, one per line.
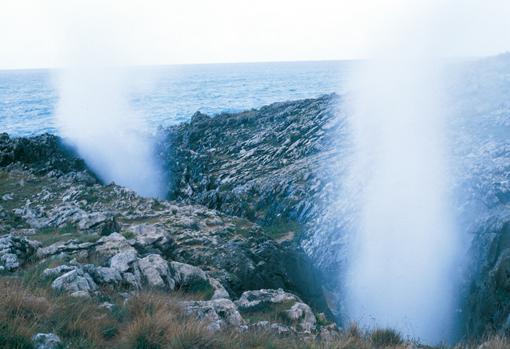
pixel 167 95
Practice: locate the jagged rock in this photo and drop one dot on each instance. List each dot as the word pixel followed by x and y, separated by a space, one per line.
pixel 303 315
pixel 122 260
pixel 46 341
pixel 217 313
pixel 152 236
pixel 44 153
pixel 113 244
pixel 69 247
pixel 57 271
pixel 253 164
pixel 16 250
pixel 102 221
pixel 299 315
pixel 105 275
pixel 186 275
pixel 219 291
pixel 258 298
pixel 156 272
pixel 77 282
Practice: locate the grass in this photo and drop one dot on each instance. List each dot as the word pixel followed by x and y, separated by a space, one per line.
pixel 153 320
pixel 51 235
pixel 282 227
pixel 272 312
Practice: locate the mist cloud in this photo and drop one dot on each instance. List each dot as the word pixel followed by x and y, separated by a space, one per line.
pixel 94 111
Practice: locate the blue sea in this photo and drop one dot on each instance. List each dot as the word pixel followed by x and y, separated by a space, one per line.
pixel 171 94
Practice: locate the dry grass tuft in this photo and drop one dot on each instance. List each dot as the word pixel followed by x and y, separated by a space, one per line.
pixel 154 320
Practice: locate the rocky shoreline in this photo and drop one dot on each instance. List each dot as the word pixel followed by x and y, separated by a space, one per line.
pixel 94 239
pixel 244 190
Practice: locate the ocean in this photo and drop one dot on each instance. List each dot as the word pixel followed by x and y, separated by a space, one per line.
pixel 167 95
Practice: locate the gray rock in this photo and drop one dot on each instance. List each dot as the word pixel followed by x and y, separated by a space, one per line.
pixel 46 341
pixel 69 247
pixel 106 275
pixel 16 250
pixel 257 298
pixel 217 314
pixel 110 245
pixel 219 291
pixel 57 271
pixel 156 272
pixel 299 314
pixel 303 315
pixel 185 274
pixel 76 282
pixel 122 260
pixel 151 236
pixel 92 220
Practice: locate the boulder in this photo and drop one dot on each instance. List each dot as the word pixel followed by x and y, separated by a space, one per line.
pixel 16 250
pixel 156 272
pixel 69 247
pixel 150 236
pixel 296 315
pixel 76 282
pixel 302 315
pixel 258 298
pixel 190 278
pixel 122 260
pixel 110 245
pixel 217 314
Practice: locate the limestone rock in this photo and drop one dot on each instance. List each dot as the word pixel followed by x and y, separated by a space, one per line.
pixel 122 260
pixel 16 250
pixel 110 245
pixel 257 298
pixel 149 236
pixel 156 272
pixel 217 313
pixel 302 314
pixel 76 282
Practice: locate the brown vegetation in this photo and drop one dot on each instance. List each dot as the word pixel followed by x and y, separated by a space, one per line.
pixel 152 320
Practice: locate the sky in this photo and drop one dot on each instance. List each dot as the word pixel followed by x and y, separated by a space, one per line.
pixel 46 33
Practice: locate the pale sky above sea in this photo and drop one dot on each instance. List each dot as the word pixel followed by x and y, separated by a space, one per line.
pixel 51 33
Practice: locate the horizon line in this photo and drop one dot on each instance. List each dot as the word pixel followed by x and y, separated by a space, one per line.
pixel 146 65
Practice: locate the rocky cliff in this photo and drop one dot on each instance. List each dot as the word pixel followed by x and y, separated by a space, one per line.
pixel 247 191
pixel 278 166
pixel 67 230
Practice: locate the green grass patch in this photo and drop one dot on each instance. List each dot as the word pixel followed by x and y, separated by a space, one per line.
pixel 282 227
pixel 50 235
pixel 273 312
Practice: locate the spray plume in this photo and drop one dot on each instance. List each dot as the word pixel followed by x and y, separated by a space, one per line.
pixel 403 250
pixel 93 112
